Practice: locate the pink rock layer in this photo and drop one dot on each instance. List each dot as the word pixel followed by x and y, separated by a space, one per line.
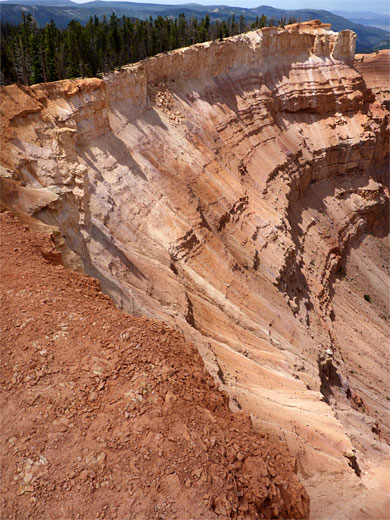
pixel 238 191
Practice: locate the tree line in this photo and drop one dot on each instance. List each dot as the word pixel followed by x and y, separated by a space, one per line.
pixel 32 54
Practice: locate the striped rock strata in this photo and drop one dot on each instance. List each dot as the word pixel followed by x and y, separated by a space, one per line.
pixel 237 191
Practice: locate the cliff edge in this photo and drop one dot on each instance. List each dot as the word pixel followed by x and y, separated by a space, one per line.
pixel 238 191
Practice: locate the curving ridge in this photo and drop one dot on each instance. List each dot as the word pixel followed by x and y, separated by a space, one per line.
pixel 231 189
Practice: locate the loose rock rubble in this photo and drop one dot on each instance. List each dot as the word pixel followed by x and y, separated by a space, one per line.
pixel 110 416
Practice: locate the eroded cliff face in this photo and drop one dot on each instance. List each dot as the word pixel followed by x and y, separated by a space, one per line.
pixel 237 190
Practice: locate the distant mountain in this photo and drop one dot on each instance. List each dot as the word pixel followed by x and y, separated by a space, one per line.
pixel 53 3
pixel 62 15
pixel 380 20
pixel 359 14
pixel 369 38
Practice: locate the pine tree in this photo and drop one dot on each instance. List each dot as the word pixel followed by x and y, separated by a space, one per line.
pixel 50 34
pixel 182 30
pixel 72 51
pixel 241 26
pixel 37 74
pixel 21 50
pixel 7 73
pixel 114 41
pixel 173 36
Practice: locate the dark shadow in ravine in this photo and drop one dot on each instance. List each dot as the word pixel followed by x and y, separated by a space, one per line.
pixel 320 191
pixel 329 378
pixel 108 244
pixel 110 145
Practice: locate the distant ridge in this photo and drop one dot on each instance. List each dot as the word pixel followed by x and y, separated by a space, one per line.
pixel 369 38
pixel 379 20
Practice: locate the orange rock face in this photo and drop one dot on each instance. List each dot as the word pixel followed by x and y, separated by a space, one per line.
pixel 375 70
pixel 238 191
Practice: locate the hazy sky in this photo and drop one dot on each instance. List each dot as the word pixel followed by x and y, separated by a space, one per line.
pixel 377 6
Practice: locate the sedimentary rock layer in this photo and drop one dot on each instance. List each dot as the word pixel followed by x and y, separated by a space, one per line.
pixel 221 188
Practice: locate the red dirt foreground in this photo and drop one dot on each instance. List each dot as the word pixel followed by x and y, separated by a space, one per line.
pixel 110 416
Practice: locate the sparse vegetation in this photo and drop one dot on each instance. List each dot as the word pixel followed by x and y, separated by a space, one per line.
pixel 367 297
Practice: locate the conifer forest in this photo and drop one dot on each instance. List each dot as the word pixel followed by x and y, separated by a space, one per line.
pixel 31 54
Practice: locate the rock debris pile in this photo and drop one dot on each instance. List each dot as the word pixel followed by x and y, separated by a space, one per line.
pixel 105 415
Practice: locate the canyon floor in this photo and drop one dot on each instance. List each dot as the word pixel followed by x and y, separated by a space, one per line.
pixel 233 195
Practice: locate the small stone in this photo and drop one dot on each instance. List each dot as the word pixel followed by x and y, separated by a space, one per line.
pixel 27 478
pixel 92 397
pixel 272 472
pixel 42 460
pixel 84 475
pixel 169 397
pixel 101 458
pixel 89 458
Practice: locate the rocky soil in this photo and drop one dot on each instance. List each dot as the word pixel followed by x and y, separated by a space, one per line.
pixel 105 415
pixel 237 191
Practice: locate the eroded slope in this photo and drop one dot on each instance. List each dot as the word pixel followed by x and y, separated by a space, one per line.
pixel 110 416
pixel 220 189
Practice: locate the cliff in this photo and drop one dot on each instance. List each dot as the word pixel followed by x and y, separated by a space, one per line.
pixel 237 191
